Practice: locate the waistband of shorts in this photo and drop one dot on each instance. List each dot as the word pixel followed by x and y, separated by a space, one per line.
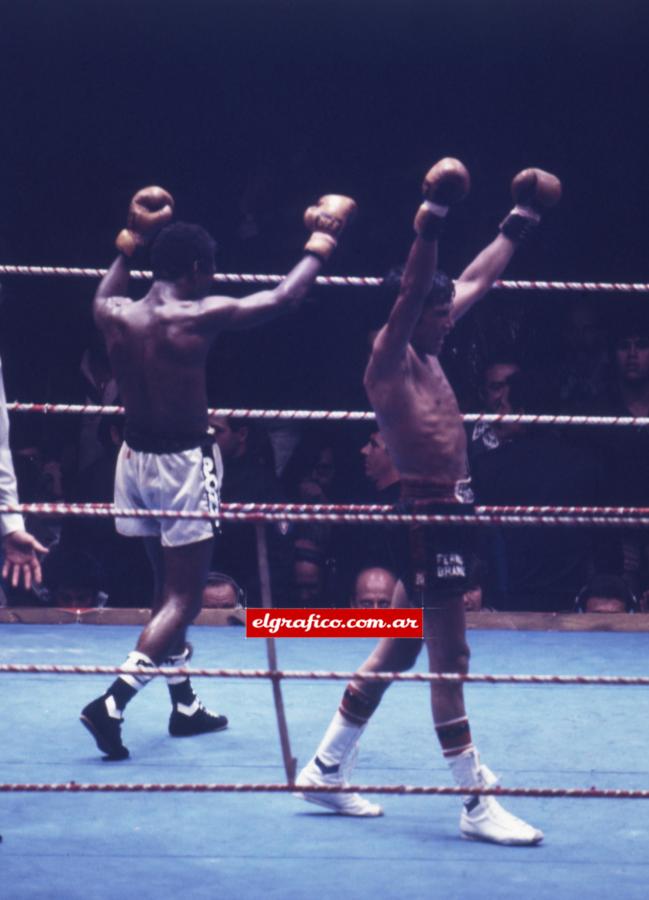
pixel 419 494
pixel 150 442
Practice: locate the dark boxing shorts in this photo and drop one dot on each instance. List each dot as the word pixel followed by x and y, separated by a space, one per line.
pixel 439 555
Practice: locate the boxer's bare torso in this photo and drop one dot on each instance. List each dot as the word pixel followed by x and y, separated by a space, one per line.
pixel 417 413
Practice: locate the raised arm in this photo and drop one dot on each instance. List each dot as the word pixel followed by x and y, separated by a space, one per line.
pixel 446 183
pixel 326 221
pixel 533 191
pixel 150 210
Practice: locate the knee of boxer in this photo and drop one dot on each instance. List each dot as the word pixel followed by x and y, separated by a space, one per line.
pixel 407 653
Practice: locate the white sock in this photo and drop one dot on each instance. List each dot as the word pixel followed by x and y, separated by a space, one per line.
pixel 141 661
pixel 465 768
pixel 178 662
pixel 339 740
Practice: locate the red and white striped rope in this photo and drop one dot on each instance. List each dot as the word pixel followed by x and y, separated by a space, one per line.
pixel 74 787
pixel 306 675
pixel 332 280
pixel 339 415
pixel 252 512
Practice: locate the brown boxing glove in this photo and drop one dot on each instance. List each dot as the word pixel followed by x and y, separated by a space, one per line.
pixel 446 183
pixel 326 220
pixel 533 191
pixel 150 210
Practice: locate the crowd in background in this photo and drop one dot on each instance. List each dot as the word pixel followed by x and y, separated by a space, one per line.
pixel 577 355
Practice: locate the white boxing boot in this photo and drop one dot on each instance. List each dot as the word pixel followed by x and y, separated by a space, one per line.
pixel 332 766
pixel 483 818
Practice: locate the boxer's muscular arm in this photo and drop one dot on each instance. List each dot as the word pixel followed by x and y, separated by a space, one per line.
pixel 479 276
pixel 446 183
pixel 226 313
pixel 151 208
pixel 533 191
pixel 392 340
pixel 111 290
pixel 326 220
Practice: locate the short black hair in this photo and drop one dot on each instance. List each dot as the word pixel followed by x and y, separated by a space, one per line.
pixel 442 290
pixel 178 247
pixel 603 585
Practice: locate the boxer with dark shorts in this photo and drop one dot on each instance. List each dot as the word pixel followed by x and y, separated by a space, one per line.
pixel 420 422
pixel 439 555
pixel 158 348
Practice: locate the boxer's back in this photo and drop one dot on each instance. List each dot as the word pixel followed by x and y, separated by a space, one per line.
pixel 158 358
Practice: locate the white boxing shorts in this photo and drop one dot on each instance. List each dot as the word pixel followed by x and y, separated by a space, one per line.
pixel 188 480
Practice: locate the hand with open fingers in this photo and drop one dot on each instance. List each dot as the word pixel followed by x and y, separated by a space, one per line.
pixel 21 561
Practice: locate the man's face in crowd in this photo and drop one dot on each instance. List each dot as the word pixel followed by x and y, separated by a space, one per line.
pixel 495 390
pixel 375 455
pixel 605 605
pixel 231 442
pixel 374 589
pixel 632 357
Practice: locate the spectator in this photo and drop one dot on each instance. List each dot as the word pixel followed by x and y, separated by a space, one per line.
pixel 249 477
pixel 124 570
pixel 74 580
pixel 309 576
pixel 624 448
pixel 373 589
pixel 494 396
pixel 222 592
pixel 606 594
pixel 376 545
pixel 535 568
pixel 583 371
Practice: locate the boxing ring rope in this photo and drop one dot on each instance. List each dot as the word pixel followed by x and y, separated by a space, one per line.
pixel 276 675
pixel 332 280
pixel 257 512
pixel 340 415
pixel 73 787
pixel 306 675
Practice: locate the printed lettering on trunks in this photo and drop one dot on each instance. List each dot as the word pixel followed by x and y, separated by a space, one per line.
pixel 450 565
pixel 211 482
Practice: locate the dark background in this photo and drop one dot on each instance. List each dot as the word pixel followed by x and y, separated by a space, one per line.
pixel 101 98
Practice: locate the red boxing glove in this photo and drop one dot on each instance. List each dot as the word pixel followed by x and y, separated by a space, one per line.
pixel 326 220
pixel 446 183
pixel 533 191
pixel 150 210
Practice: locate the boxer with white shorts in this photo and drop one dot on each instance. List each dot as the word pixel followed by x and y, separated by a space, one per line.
pixel 158 347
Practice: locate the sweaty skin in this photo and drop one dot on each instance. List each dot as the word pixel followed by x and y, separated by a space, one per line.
pixel 157 348
pixel 418 417
pixel 158 345
pixel 415 406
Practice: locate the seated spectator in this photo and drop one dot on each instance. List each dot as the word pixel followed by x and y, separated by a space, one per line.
pixel 535 568
pixel 249 477
pixel 74 580
pixel 126 574
pixel 314 475
pixel 606 594
pixel 373 545
pixel 222 592
pixel 493 394
pixel 623 448
pixel 380 470
pixel 582 374
pixel 373 589
pixel 309 576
